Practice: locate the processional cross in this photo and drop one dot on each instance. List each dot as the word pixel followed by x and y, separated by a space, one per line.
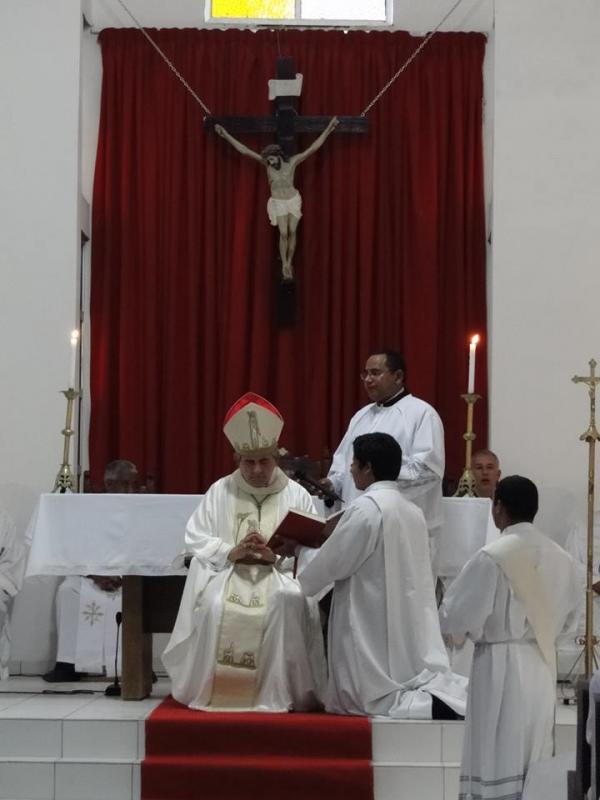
pixel 590 436
pixel 284 207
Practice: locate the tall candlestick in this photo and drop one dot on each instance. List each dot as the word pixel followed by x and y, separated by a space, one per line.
pixel 472 348
pixel 74 343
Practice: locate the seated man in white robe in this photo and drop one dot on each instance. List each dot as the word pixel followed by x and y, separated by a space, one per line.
pixel 245 637
pixel 13 551
pixel 86 607
pixel 386 654
pixel 513 599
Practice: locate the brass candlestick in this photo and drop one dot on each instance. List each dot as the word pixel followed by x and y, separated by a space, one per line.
pixel 466 484
pixel 590 436
pixel 64 478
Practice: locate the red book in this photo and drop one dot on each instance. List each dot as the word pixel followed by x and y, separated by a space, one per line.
pixel 304 528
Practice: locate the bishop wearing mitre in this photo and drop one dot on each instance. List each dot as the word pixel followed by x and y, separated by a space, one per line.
pixel 246 638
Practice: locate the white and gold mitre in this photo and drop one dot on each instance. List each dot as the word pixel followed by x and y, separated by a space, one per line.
pixel 253 426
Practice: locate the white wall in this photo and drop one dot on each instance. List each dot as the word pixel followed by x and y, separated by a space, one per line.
pixel 545 271
pixel 39 251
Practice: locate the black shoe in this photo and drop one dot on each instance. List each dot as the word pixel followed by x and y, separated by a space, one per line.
pixel 63 672
pixel 439 710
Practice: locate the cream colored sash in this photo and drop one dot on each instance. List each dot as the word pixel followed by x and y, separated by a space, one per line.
pixel 244 609
pixel 517 556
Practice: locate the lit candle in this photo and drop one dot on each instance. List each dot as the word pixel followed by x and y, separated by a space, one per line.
pixel 74 343
pixel 472 348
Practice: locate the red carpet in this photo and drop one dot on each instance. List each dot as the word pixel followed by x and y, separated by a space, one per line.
pixel 195 755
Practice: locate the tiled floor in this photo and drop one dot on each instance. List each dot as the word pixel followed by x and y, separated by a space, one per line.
pixel 70 742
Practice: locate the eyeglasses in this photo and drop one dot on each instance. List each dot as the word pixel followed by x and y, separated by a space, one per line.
pixel 372 373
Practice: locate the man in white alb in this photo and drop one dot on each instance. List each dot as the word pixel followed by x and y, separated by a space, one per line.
pixel 386 654
pixel 246 638
pixel 414 424
pixel 513 599
pixel 13 552
pixel 86 607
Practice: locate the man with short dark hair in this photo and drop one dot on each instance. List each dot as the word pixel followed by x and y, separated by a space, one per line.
pixel 513 599
pixel 414 424
pixel 386 654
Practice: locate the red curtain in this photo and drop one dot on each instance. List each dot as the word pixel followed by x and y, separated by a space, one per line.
pixel 391 250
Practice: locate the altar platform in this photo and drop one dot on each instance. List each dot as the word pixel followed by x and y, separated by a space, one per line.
pixel 86 746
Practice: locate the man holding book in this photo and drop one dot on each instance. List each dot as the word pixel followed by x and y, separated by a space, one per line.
pixel 413 423
pixel 246 638
pixel 386 654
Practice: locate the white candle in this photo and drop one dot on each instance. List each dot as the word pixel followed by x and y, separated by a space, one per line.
pixel 74 343
pixel 472 348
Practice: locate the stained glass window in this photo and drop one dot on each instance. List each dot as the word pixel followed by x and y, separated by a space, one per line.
pixel 254 9
pixel 331 10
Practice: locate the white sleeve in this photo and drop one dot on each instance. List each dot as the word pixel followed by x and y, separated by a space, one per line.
pixel 201 534
pixel 340 463
pixel 470 599
pixel 426 460
pixel 13 554
pixel 348 547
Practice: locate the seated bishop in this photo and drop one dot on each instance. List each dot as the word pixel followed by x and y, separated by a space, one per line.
pixel 246 638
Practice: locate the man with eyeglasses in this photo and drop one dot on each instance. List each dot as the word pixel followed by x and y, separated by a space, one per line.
pixel 413 423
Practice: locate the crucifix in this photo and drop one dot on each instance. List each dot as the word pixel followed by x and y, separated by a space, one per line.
pixel 590 436
pixel 280 160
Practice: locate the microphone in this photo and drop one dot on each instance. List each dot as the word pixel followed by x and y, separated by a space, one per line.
pixel 114 689
pixel 329 495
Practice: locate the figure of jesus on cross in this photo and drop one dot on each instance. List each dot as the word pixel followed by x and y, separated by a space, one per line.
pixel 284 207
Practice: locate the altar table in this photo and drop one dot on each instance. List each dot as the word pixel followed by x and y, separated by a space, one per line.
pixel 138 536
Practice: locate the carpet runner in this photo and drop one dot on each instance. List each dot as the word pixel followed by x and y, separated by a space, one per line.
pixel 195 755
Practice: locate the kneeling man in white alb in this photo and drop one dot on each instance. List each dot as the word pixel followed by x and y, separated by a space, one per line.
pixel 386 654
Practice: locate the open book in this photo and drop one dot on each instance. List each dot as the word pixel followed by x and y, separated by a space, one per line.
pixel 305 528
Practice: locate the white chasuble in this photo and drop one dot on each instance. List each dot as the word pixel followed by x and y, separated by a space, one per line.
pixel 244 609
pixel 245 636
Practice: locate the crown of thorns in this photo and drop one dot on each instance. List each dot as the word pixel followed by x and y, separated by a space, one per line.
pixel 273 150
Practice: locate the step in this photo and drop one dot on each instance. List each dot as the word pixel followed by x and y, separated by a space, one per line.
pixel 69 779
pixel 79 747
pixel 232 777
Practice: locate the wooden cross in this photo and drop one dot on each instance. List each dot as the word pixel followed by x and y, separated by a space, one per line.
pixel 285 120
pixel 286 123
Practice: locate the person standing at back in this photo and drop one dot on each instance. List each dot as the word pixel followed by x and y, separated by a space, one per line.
pixel 412 422
pixel 86 607
pixel 512 599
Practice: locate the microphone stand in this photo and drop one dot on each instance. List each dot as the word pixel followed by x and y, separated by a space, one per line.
pixel 114 689
pixel 329 495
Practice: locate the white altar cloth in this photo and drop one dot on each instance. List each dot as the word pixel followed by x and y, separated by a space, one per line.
pixel 108 534
pixel 142 534
pixel 467 527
